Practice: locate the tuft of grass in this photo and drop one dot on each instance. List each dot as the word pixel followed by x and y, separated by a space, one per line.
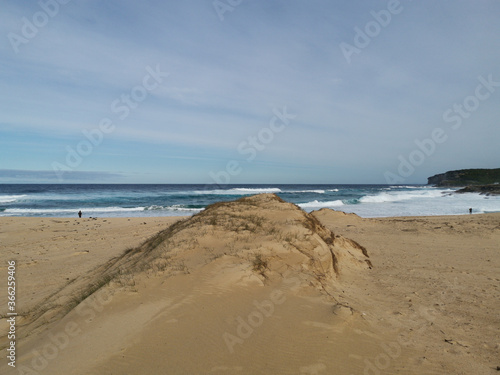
pixel 181 266
pixel 213 255
pixel 257 220
pixel 274 230
pixel 249 228
pixel 259 264
pixel 160 265
pixel 289 238
pixel 91 289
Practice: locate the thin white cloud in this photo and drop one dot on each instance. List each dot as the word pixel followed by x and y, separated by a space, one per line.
pixel 226 77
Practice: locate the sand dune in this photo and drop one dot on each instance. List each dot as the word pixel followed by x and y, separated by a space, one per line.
pixel 259 286
pixel 434 285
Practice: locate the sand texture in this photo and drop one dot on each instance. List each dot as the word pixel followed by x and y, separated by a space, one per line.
pixel 255 286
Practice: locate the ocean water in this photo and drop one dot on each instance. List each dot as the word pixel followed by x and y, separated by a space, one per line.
pixel 174 200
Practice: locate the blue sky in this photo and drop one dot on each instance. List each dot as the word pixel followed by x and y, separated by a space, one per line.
pixel 184 87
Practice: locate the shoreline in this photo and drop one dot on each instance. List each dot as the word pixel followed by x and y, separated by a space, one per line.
pixel 180 217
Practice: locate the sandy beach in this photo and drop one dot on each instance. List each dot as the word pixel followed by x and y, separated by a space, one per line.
pixel 255 286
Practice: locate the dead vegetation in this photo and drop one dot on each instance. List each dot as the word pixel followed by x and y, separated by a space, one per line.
pixel 264 231
pixel 259 265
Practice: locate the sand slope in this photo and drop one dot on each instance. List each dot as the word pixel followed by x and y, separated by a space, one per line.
pixel 258 286
pixel 434 284
pixel 217 286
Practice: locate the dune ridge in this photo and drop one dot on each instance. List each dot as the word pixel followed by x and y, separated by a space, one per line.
pixel 258 240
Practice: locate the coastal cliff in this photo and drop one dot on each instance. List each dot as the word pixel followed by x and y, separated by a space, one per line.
pixel 466 177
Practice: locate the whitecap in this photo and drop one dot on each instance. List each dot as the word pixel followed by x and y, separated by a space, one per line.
pixel 306 191
pixel 11 198
pixel 239 191
pixel 318 204
pixel 402 196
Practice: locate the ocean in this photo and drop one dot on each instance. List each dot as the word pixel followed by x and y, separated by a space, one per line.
pixel 96 200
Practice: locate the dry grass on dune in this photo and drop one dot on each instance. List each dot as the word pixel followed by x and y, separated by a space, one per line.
pixel 266 235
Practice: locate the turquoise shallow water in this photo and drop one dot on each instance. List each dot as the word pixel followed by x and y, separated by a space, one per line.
pixel 168 200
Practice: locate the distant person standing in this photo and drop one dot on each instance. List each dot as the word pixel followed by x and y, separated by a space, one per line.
pixel 470 210
pixel 80 213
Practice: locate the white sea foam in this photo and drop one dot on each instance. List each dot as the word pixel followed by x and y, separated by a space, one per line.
pixel 436 202
pixel 402 196
pixel 317 204
pixel 306 191
pixel 11 198
pixel 175 207
pixel 239 191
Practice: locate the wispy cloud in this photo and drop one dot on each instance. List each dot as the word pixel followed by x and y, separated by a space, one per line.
pixel 27 176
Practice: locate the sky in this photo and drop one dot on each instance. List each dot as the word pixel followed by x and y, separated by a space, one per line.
pixel 247 91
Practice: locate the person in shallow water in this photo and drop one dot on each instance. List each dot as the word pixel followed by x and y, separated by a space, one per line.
pixel 470 210
pixel 80 214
